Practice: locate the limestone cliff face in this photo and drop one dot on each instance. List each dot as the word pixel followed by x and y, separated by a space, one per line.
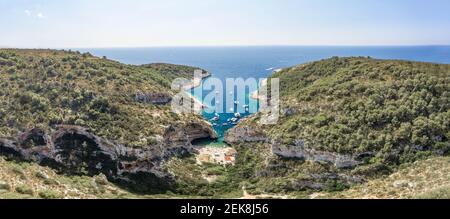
pixel 180 134
pixel 76 150
pixel 153 98
pixel 298 150
pixel 244 134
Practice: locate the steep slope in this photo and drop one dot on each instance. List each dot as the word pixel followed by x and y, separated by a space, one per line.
pixel 19 180
pixel 345 120
pixel 425 179
pixel 85 115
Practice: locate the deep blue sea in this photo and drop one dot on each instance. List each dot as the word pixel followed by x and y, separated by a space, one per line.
pixel 261 61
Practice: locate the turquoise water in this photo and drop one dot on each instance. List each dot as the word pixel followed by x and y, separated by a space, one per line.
pixel 223 121
pixel 260 61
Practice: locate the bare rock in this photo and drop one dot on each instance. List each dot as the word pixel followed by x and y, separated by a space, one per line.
pixel 300 151
pixel 153 98
pixel 238 135
pixel 76 150
pixel 288 111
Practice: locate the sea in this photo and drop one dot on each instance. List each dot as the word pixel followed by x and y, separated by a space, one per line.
pixel 258 62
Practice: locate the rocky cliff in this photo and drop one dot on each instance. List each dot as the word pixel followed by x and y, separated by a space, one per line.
pixel 76 150
pixel 296 150
pixel 244 134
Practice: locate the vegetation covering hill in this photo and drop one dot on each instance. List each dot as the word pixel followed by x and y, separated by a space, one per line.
pixel 88 116
pixel 351 105
pixel 345 121
pixel 425 179
pixel 43 88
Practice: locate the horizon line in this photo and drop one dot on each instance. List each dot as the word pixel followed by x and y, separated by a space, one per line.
pixel 230 46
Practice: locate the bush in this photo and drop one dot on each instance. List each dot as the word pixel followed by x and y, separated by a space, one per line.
pixel 24 189
pixel 37 102
pixel 4 186
pixel 41 175
pixel 442 147
pixel 102 105
pixel 50 194
pixel 101 81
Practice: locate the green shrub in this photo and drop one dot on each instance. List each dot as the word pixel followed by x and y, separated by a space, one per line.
pixel 24 189
pixel 50 194
pixel 4 186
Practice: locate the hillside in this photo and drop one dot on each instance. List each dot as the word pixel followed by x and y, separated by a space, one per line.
pixel 46 88
pixel 426 179
pixel 85 115
pixel 22 180
pixel 345 121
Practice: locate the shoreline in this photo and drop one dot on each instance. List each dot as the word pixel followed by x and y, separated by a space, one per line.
pixel 195 82
pixel 198 105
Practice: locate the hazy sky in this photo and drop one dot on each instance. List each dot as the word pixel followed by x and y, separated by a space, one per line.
pixel 139 23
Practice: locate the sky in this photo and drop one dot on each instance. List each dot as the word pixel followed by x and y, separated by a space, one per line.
pixel 146 23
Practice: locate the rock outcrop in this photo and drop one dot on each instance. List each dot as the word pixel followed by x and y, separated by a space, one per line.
pixel 198 131
pixel 75 150
pixel 300 151
pixel 238 135
pixel 153 98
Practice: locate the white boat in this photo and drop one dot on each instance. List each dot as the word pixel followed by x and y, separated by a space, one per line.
pixel 237 115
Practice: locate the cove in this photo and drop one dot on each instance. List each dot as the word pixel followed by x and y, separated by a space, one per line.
pixel 225 118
